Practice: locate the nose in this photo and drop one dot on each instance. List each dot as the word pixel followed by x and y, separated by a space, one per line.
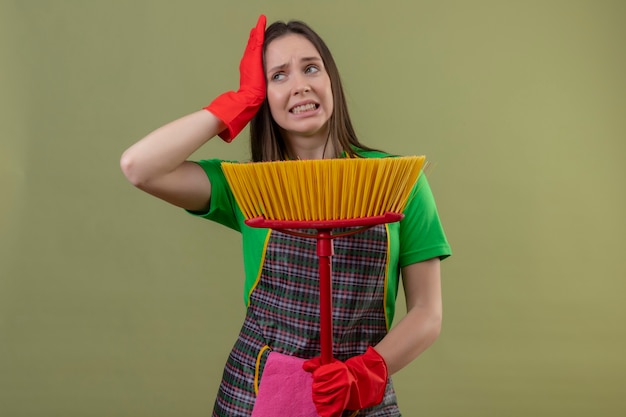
pixel 301 85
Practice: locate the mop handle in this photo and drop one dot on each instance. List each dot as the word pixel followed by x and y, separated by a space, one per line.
pixel 325 252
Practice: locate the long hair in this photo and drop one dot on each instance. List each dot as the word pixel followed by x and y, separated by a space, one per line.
pixel 266 141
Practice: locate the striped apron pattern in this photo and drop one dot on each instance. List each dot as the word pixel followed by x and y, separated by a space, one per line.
pixel 283 312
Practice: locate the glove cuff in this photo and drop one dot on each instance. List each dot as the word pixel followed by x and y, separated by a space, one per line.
pixel 370 372
pixel 235 111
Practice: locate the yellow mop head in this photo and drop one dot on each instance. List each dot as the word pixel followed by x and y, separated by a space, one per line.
pixel 320 190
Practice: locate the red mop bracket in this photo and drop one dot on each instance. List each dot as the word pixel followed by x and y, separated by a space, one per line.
pixel 325 242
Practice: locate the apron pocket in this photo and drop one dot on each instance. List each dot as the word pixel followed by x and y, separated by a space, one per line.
pixel 285 389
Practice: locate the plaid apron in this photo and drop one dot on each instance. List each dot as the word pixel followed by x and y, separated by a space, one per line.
pixel 284 312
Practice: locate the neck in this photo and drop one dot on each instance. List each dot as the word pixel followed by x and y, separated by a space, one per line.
pixel 310 147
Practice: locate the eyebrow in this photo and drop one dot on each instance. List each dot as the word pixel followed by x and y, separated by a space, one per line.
pixel 285 65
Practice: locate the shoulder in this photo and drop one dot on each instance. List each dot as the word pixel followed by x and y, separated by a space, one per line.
pixel 372 153
pixel 213 167
pixel 212 163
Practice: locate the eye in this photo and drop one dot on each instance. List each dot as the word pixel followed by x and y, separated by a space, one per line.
pixel 311 69
pixel 279 76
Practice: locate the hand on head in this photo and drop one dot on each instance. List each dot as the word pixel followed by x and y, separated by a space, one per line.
pixel 236 109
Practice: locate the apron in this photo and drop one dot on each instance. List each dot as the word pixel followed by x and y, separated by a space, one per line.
pixel 283 313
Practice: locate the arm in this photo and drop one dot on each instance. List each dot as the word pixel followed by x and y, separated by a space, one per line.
pixel 421 326
pixel 360 381
pixel 158 164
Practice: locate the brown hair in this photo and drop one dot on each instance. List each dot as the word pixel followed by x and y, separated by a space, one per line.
pixel 266 141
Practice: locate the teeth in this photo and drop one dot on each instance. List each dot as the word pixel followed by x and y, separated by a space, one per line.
pixel 306 107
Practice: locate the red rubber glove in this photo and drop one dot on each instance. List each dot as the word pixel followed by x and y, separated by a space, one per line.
pixel 236 109
pixel 357 383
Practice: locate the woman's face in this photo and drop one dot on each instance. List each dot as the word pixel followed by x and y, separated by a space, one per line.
pixel 298 88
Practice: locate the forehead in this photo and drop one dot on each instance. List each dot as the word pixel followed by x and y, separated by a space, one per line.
pixel 289 47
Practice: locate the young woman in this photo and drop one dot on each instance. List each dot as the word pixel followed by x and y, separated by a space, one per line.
pixel 291 92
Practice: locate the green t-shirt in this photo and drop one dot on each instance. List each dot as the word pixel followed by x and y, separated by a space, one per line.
pixel 417 237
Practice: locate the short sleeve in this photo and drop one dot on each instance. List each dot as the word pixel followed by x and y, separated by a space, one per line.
pixel 223 208
pixel 421 233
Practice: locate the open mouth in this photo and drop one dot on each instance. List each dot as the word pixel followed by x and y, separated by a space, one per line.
pixel 304 108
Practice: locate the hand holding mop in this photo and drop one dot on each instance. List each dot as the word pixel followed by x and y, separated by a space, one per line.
pixel 324 195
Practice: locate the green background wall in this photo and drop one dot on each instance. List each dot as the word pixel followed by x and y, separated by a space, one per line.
pixel 113 303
